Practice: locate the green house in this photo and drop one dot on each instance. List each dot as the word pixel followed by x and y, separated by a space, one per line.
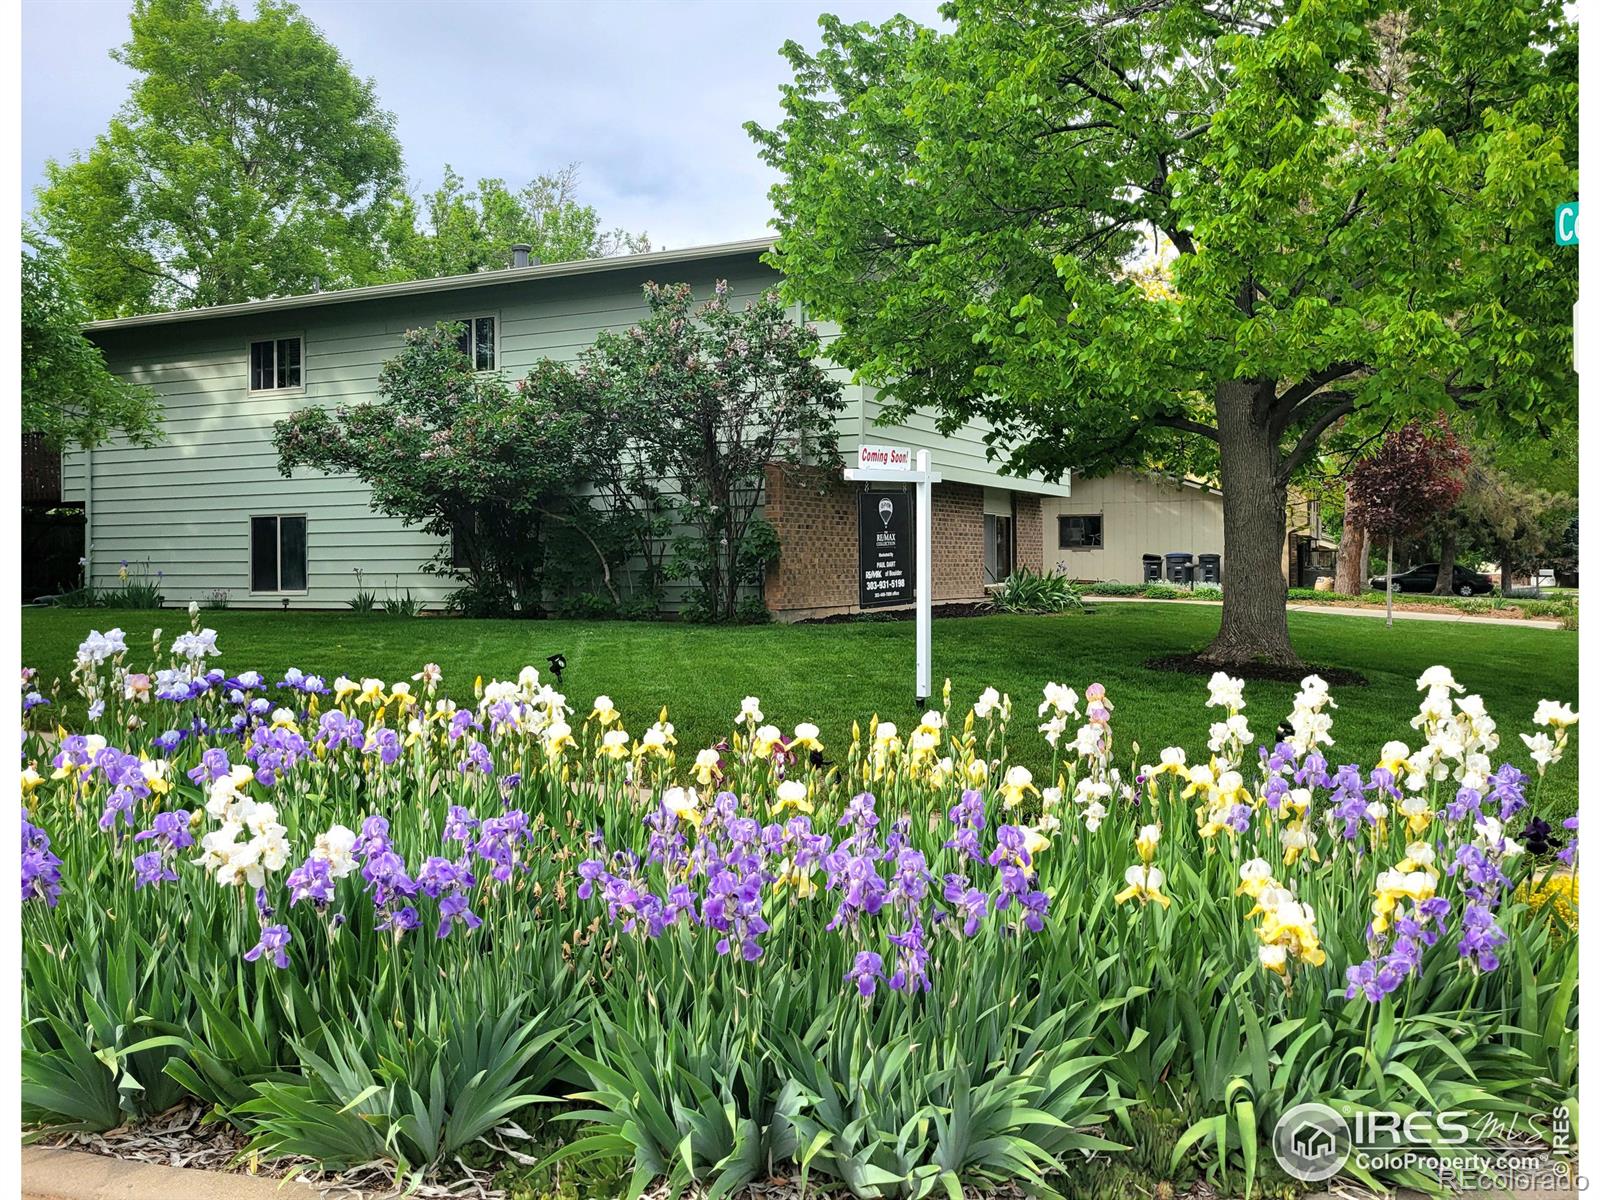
pixel 208 508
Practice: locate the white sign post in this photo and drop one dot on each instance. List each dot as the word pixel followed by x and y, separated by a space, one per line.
pixel 893 464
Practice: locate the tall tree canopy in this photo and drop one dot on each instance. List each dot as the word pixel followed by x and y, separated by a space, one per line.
pixel 1165 229
pixel 248 161
pixel 456 231
pixel 68 395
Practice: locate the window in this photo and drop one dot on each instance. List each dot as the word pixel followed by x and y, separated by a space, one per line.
pixel 1081 532
pixel 461 534
pixel 477 342
pixel 997 546
pixel 275 364
pixel 277 554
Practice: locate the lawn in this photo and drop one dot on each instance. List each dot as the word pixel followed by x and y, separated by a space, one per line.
pixel 833 674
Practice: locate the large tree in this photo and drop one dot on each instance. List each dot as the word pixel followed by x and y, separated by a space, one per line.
pixel 68 394
pixel 1345 204
pixel 455 230
pixel 248 161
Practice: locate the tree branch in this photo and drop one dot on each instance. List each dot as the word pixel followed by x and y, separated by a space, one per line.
pixel 1344 406
pixel 1186 425
pixel 1285 407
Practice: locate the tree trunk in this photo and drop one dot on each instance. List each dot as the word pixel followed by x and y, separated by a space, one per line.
pixel 1388 588
pixel 1255 619
pixel 1350 573
pixel 1446 586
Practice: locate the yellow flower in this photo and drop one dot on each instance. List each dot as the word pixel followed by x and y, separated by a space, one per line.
pixel 1557 894
pixel 1395 758
pixel 1293 925
pixel 31 780
pixel 790 876
pixel 806 737
pixel 1144 884
pixel 371 692
pixel 155 775
pixel 557 738
pixel 1173 762
pixel 343 687
pixel 1417 814
pixel 792 797
pixel 1149 837
pixel 1296 841
pixel 1034 842
pixel 1017 783
pixel 683 803
pixel 705 766
pixel 614 744
pixel 765 738
pixel 1275 958
pixel 604 711
pixel 1255 877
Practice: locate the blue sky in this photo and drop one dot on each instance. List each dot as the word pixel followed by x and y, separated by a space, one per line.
pixel 649 97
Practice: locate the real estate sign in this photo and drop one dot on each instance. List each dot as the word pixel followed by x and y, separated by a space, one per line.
pixel 887 548
pixel 883 458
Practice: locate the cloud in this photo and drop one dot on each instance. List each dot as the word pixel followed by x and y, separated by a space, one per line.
pixel 650 98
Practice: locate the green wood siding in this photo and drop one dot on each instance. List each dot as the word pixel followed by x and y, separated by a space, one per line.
pixel 184 506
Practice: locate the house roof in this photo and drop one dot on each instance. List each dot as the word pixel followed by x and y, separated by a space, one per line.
pixel 448 283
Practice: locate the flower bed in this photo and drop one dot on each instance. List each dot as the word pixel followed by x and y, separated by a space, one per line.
pixel 367 925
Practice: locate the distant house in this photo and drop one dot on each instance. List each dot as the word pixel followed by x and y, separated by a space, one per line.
pixel 1107 527
pixel 207 507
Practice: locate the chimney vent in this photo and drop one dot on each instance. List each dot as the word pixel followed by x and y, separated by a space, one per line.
pixel 519 254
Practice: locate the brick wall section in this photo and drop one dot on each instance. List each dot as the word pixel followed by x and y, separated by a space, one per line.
pixel 816 520
pixel 1029 533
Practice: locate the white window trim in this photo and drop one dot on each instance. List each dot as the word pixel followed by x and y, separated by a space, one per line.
pixel 469 319
pixel 299 389
pixel 250 561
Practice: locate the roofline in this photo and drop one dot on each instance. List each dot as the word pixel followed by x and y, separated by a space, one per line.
pixel 448 283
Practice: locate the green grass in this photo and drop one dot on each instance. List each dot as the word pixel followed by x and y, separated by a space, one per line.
pixel 833 674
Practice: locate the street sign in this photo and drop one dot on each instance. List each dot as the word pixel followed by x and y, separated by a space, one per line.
pixel 1567 223
pixel 883 458
pixel 887 552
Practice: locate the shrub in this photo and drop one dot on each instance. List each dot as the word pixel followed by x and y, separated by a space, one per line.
pixel 1114 589
pixel 1024 591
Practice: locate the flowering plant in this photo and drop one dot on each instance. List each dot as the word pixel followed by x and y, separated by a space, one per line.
pixel 784 946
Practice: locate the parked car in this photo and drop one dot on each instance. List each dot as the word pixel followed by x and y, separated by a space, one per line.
pixel 1426 577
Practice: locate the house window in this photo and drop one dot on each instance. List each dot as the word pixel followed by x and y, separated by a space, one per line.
pixel 278 554
pixel 997 547
pixel 460 542
pixel 476 342
pixel 1081 532
pixel 275 364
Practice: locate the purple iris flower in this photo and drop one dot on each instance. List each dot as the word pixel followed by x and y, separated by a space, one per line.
pixel 866 972
pixel 274 941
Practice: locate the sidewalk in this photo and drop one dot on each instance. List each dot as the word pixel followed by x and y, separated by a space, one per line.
pixel 53 1174
pixel 1444 614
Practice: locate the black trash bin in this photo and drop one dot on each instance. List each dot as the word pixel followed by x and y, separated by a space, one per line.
pixel 1210 568
pixel 1152 568
pixel 1180 567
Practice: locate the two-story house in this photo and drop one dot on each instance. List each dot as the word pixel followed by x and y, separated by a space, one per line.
pixel 208 508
